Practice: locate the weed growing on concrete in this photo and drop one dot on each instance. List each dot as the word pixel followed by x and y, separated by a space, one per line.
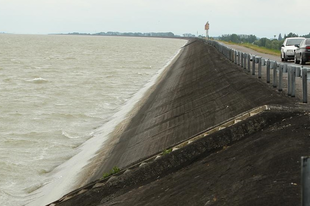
pixel 167 151
pixel 112 172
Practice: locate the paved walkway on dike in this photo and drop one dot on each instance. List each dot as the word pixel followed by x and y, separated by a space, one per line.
pixel 253 162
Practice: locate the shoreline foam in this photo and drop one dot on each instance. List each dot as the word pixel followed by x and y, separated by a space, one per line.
pixel 74 172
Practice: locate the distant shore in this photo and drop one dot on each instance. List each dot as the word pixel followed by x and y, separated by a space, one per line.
pixel 131 34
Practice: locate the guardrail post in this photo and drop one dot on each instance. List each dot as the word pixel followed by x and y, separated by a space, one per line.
pixel 253 65
pixel 268 71
pixel 285 68
pixel 233 55
pixel 242 59
pixel 298 72
pixel 280 77
pixel 304 85
pixel 249 62
pixel 305 181
pixel 239 57
pixel 259 67
pixel 244 63
pixel 236 57
pixel 289 80
pixel 227 52
pixel 293 85
pixel 274 78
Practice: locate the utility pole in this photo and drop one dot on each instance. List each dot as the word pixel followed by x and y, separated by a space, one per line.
pixel 207 26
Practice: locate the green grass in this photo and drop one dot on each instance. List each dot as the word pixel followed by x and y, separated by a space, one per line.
pixel 167 151
pixel 262 49
pixel 256 48
pixel 112 172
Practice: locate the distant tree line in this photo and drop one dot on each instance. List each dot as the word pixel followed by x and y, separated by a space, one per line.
pixel 238 38
pixel 156 34
pixel 112 33
pixel 274 44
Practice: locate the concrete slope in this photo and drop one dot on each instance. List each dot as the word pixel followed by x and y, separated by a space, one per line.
pixel 200 90
pixel 256 161
pixel 262 169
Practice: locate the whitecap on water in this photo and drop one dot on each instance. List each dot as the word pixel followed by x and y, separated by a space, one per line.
pixel 66 134
pixel 38 80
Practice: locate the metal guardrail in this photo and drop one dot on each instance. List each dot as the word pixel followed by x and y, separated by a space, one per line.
pixel 278 68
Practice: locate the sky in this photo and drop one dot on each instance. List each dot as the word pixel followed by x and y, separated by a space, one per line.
pixel 263 18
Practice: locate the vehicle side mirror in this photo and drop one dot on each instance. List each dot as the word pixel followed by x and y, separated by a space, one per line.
pixel 282 45
pixel 297 45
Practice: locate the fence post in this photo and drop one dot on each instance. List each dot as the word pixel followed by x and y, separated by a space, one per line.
pixel 298 72
pixel 289 80
pixel 304 85
pixel 293 76
pixel 236 57
pixel 259 67
pixel 244 63
pixel 285 68
pixel 305 181
pixel 253 65
pixel 242 59
pixel 268 71
pixel 280 77
pixel 274 78
pixel 239 57
pixel 249 62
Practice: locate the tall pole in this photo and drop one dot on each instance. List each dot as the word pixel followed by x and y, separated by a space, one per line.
pixel 207 26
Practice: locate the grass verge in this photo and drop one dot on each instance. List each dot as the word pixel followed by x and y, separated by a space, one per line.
pixel 256 48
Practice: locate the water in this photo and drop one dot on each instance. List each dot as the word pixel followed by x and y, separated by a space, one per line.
pixel 58 92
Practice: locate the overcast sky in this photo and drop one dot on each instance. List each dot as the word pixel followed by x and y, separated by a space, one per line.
pixel 263 18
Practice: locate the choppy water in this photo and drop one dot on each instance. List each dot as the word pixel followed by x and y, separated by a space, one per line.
pixel 56 92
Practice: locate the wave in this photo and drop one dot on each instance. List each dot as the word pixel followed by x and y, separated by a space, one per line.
pixel 21 141
pixel 38 80
pixel 66 134
pixel 64 177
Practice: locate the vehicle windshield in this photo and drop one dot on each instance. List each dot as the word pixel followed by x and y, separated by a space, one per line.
pixel 292 42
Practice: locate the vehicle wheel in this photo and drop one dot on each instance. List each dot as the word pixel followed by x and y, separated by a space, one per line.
pixel 282 59
pixel 302 61
pixel 295 59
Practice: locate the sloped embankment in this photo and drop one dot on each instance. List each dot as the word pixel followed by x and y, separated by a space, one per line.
pixel 200 90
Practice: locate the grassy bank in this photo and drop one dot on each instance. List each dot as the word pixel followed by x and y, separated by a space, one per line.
pixel 256 48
